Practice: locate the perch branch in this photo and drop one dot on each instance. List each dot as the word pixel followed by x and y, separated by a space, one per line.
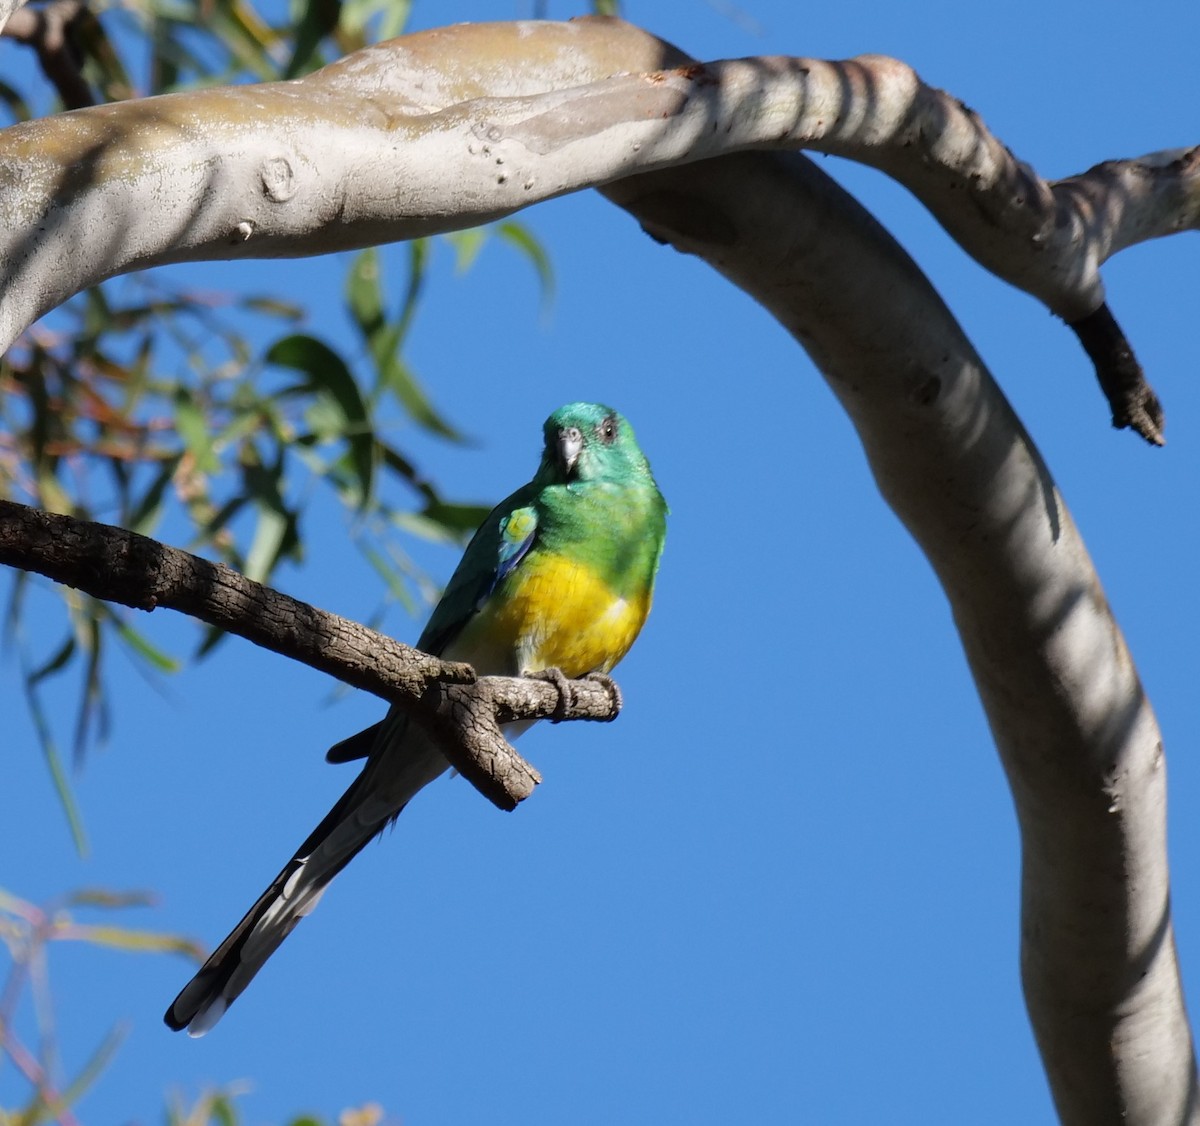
pixel 464 712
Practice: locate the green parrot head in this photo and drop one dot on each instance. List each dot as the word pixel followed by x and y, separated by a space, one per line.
pixel 589 442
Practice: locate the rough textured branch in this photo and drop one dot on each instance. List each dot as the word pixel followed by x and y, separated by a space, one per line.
pixel 469 718
pixel 464 712
pixel 414 136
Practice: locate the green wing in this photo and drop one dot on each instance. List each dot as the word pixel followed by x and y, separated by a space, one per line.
pixel 494 551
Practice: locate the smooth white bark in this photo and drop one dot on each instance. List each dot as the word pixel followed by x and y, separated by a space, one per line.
pixel 451 127
pixel 7 7
pixel 400 140
pixel 1075 732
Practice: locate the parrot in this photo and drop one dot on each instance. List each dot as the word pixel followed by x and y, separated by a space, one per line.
pixel 557 580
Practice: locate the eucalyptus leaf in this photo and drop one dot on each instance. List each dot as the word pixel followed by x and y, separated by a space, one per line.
pixel 329 376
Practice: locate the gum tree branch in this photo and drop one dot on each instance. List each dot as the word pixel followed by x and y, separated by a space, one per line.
pixel 1076 734
pixel 429 133
pixel 463 711
pixel 7 7
pixel 407 138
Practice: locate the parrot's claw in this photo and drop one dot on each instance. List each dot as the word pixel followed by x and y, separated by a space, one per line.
pixel 566 694
pixel 612 688
pixel 566 697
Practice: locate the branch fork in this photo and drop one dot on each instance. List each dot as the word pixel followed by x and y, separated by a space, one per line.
pixel 412 137
pixel 464 712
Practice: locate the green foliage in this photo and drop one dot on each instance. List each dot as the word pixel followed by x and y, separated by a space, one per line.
pixel 161 408
pixel 219 1108
pixel 211 420
pixel 28 1023
pixel 28 932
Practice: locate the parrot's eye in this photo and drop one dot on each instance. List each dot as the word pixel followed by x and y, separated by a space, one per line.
pixel 608 430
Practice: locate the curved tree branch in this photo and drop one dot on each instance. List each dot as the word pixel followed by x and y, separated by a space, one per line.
pixel 421 134
pixel 464 712
pixel 407 138
pixel 1076 734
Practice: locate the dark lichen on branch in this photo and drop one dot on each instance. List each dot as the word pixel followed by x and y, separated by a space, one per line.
pixel 1131 399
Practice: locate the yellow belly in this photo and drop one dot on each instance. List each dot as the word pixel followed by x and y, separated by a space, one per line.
pixel 552 613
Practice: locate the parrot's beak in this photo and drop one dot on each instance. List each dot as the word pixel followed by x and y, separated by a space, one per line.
pixel 567 448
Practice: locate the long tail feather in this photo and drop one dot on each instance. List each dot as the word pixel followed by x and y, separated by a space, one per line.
pixel 374 799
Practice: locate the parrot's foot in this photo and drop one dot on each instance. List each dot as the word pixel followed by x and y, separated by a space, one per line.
pixel 566 697
pixel 612 688
pixel 566 694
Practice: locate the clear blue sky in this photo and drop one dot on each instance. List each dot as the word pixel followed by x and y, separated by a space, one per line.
pixel 783 886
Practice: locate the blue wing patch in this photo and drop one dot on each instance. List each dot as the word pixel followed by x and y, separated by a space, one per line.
pixel 517 532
